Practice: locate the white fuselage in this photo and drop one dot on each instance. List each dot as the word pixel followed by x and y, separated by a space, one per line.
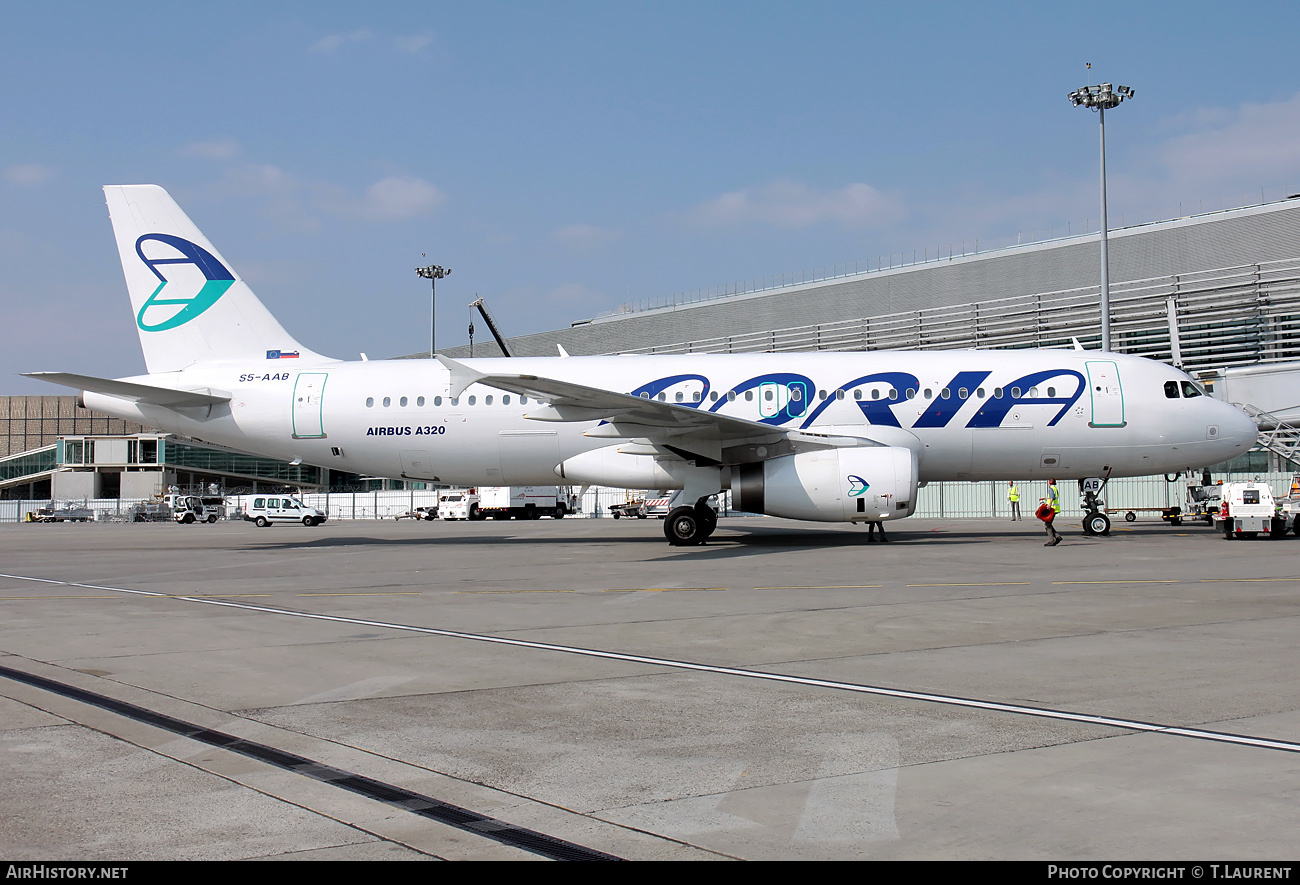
pixel 968 415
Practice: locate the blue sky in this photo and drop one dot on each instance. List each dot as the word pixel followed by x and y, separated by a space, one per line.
pixel 566 158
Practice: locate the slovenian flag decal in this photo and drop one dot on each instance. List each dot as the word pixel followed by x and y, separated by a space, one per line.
pixel 282 354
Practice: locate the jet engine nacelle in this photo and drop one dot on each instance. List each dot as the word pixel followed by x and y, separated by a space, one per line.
pixel 832 485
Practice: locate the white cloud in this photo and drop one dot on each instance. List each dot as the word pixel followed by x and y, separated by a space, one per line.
pixel 793 204
pixel 396 199
pixel 28 174
pixel 413 44
pixel 584 236
pixel 1256 142
pixel 334 41
pixel 223 149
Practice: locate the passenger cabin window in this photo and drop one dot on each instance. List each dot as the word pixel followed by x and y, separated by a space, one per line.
pixel 370 402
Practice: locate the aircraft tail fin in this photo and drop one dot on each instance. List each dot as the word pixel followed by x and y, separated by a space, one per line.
pixel 189 306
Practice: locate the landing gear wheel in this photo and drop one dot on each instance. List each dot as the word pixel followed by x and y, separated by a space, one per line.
pixel 708 518
pixel 683 527
pixel 1096 524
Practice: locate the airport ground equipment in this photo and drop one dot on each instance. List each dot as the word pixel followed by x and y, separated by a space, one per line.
pixel 659 507
pixel 428 513
pixel 526 502
pixel 66 513
pixel 1247 510
pixel 1289 507
pixel 631 508
pixel 459 504
pixel 188 509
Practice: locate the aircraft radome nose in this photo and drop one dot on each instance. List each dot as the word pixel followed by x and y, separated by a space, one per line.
pixel 1240 427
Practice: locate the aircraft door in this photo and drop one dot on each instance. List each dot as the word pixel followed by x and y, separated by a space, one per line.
pixel 1107 394
pixel 308 392
pixel 772 398
pixel 798 395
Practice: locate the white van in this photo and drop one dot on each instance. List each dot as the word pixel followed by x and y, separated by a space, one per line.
pixel 280 508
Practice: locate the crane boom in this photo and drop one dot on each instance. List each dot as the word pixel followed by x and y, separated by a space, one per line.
pixel 492 326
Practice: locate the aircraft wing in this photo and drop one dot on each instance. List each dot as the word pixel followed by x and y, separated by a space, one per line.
pixel 671 430
pixel 129 390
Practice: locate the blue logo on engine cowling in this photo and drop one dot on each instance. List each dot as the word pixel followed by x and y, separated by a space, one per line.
pixel 857 486
pixel 180 307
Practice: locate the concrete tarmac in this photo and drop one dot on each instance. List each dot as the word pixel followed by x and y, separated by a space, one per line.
pixel 787 691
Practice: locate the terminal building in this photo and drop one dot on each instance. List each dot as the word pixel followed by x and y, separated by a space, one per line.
pixel 1215 294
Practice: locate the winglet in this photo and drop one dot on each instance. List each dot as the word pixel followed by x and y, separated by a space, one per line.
pixel 462 376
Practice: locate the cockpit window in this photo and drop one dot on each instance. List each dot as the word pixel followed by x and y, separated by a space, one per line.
pixel 1190 390
pixel 1171 390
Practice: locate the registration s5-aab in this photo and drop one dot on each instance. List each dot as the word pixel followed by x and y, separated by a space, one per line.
pixel 831 437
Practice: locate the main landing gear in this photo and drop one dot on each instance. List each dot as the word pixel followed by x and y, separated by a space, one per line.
pixel 688 526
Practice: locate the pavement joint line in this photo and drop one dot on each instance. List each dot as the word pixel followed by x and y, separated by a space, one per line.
pixel 876 690
pixel 426 806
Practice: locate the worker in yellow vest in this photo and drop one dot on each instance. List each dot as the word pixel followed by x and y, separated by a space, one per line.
pixel 1013 496
pixel 1048 507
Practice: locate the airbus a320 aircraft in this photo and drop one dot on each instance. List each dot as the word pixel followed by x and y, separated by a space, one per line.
pixel 833 437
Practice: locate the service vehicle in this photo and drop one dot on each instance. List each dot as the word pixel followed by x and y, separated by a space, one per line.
pixel 1247 510
pixel 265 511
pixel 459 504
pixel 187 509
pixel 635 508
pixel 428 513
pixel 525 502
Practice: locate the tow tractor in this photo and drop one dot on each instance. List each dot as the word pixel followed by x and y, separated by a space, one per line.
pixel 188 509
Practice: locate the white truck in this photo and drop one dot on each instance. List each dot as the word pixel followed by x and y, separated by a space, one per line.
pixel 526 502
pixel 459 504
pixel 1248 510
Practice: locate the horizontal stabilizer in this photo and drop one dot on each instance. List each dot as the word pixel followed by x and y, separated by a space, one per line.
pixel 129 390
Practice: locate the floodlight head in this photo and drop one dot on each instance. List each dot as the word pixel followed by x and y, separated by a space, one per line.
pixel 433 272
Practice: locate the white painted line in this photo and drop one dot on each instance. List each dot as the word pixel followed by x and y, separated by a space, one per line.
pixel 880 691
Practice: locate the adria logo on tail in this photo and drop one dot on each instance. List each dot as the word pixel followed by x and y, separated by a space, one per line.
pixel 180 307
pixel 857 486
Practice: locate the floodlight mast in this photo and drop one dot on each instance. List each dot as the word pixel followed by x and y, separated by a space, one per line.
pixel 433 273
pixel 1101 98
